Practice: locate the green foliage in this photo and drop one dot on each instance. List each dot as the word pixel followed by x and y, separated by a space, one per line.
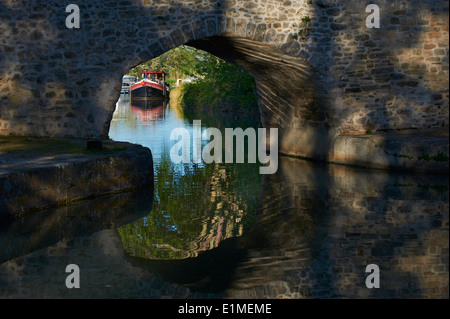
pixel 181 62
pixel 440 157
pixel 224 86
pixel 406 156
pixel 306 19
pixel 304 30
pixel 220 85
pixel 191 211
pixel 425 157
pixel 28 147
pixel 319 4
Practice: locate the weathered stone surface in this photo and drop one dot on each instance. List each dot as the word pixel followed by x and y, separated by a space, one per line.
pixel 395 77
pixel 45 181
pixel 400 151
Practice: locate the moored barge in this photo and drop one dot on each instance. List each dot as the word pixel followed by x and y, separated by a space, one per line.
pixel 152 85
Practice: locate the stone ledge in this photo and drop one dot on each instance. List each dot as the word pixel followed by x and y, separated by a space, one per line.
pixel 425 150
pixel 41 180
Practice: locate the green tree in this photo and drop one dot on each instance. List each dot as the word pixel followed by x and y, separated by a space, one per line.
pixel 220 85
pixel 180 62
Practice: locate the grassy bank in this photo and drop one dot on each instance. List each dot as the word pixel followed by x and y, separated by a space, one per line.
pixel 32 147
pixel 233 91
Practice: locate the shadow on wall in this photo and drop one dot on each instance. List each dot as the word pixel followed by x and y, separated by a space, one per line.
pixel 397 63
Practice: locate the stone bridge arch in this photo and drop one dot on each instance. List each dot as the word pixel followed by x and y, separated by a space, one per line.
pixel 340 78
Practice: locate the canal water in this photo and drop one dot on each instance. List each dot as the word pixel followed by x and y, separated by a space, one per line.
pixel 225 231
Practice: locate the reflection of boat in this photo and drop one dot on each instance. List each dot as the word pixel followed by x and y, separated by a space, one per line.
pixel 149 109
pixel 152 85
pixel 148 103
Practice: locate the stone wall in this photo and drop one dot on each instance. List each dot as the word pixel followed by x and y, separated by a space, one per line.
pixel 60 180
pixel 339 78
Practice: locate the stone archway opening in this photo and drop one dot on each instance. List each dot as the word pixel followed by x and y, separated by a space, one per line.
pixel 291 95
pixel 201 82
pixel 289 91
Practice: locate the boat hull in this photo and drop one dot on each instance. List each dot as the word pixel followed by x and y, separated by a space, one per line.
pixel 142 90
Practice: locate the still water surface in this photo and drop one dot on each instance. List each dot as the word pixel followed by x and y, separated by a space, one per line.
pixel 224 230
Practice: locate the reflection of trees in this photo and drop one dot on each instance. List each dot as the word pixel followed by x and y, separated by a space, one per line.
pixel 193 211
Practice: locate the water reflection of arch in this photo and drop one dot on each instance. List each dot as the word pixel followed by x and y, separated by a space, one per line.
pixel 316 230
pixel 148 110
pixel 192 215
pixel 64 223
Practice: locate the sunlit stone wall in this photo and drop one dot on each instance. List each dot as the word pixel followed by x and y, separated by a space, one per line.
pixel 336 77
